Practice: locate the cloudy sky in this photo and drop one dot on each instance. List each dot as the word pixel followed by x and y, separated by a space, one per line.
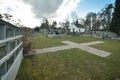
pixel 31 11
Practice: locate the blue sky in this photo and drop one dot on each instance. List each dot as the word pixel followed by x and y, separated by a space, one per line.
pixel 86 6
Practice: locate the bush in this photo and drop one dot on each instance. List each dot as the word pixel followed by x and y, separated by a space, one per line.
pixel 57 33
pixel 27 44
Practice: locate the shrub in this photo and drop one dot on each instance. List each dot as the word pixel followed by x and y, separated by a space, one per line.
pixel 27 44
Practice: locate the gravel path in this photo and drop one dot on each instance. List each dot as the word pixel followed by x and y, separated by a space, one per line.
pixel 83 46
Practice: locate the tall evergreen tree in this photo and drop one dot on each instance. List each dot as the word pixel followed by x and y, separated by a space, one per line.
pixel 115 25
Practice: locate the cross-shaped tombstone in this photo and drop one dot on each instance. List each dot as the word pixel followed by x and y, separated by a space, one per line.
pixel 83 46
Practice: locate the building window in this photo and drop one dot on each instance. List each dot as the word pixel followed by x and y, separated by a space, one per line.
pixel 2 69
pixel 18 41
pixel 9 32
pixel 12 45
pixel 17 32
pixel 16 53
pixel 10 62
pixel 21 46
pixel 2 32
pixel 2 50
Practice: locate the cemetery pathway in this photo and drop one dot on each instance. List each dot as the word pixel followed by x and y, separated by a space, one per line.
pixel 83 46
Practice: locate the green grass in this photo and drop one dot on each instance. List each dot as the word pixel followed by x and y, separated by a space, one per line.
pixel 73 64
pixel 41 41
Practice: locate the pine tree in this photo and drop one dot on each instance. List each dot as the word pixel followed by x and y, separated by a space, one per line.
pixel 115 25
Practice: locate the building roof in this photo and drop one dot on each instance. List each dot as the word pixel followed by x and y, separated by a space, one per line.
pixel 7 23
pixel 78 25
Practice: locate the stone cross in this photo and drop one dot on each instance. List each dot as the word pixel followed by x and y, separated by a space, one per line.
pixel 83 46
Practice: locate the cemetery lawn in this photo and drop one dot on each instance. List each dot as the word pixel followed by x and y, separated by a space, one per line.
pixel 41 41
pixel 73 64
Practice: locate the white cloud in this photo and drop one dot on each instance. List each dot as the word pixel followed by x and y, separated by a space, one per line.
pixel 66 8
pixel 19 10
pixel 29 9
pixel 44 8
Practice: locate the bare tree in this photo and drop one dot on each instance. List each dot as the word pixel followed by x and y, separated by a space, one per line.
pixel 7 16
pixel 105 16
pixel 91 20
pixel 54 24
pixel 74 16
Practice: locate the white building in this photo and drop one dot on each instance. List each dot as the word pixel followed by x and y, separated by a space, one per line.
pixel 76 28
pixel 11 51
